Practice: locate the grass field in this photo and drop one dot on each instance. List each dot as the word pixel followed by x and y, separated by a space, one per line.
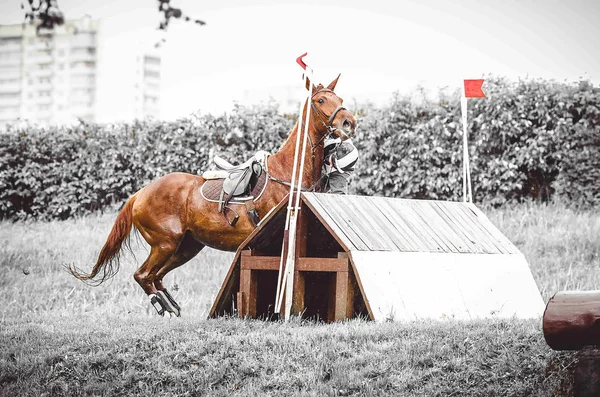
pixel 59 336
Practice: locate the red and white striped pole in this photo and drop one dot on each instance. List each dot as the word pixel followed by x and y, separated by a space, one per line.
pixel 285 280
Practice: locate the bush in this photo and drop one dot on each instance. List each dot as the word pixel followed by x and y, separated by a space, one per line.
pixel 530 139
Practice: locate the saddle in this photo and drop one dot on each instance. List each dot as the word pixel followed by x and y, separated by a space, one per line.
pixel 238 183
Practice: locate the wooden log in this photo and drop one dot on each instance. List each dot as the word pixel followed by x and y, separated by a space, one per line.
pixel 572 320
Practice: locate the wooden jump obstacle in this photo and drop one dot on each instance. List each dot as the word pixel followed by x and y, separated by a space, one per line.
pixel 571 321
pixel 384 259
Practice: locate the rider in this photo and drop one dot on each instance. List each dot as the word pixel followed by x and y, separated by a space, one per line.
pixel 340 158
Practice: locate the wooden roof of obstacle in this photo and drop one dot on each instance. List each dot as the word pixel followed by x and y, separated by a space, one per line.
pixel 365 223
pixel 414 259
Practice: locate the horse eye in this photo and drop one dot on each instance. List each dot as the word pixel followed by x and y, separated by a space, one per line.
pixel 321 101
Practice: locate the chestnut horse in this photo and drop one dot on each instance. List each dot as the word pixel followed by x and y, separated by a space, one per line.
pixel 177 222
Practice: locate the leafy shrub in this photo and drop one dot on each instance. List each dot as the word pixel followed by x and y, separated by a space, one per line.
pixel 528 139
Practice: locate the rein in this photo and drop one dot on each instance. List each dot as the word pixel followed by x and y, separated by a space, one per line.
pixel 310 189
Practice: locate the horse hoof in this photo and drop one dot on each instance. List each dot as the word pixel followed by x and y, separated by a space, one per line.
pixel 165 305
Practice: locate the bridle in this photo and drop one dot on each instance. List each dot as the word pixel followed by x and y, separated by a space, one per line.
pixel 322 117
pixel 314 146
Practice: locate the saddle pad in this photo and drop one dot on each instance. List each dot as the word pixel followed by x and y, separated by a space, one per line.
pixel 211 190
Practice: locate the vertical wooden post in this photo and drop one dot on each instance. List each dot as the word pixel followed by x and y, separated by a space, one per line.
pixel 299 288
pixel 341 295
pixel 247 295
pixel 301 248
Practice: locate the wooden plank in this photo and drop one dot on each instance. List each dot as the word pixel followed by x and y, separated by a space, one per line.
pixel 479 233
pixel 459 228
pixel 494 231
pixel 457 238
pixel 445 226
pixel 398 237
pixel 350 295
pixel 467 228
pixel 430 225
pixel 402 226
pixel 248 287
pixel 495 236
pixel 482 236
pixel 340 206
pixel 364 211
pixel 302 264
pixel 341 296
pixel 260 263
pixel 335 226
pixel 240 304
pixel 342 225
pixel 426 230
pixel 322 264
pixel 410 218
pixel 438 226
pixel 298 304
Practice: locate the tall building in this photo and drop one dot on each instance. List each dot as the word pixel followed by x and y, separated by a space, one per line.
pixel 147 87
pixel 76 72
pixel 51 77
pixel 129 79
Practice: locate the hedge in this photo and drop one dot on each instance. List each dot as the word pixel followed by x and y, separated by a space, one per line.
pixel 531 139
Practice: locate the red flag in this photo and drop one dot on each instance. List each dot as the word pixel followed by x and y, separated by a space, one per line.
pixel 473 89
pixel 300 61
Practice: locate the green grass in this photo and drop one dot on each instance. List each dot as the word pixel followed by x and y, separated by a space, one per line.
pixel 59 336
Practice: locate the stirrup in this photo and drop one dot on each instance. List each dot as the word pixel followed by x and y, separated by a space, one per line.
pixel 237 216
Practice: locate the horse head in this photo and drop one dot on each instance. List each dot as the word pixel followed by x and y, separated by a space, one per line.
pixel 328 114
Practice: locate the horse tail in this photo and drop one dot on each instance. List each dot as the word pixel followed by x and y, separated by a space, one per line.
pixel 108 260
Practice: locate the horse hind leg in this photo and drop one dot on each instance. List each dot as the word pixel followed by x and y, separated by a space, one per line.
pixel 146 274
pixel 188 248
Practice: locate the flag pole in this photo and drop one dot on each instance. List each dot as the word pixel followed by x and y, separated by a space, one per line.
pixel 471 89
pixel 465 172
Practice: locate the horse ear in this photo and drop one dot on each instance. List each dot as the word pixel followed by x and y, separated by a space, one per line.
pixel 332 85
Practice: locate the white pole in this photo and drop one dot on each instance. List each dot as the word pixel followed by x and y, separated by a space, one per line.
pixel 289 207
pixel 286 277
pixel 291 253
pixel 467 193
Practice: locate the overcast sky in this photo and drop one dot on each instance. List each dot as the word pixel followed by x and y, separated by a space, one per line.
pixel 248 48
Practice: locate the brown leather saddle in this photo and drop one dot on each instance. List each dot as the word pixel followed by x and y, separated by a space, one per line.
pixel 235 184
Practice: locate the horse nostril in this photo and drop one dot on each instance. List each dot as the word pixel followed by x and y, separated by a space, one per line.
pixel 347 124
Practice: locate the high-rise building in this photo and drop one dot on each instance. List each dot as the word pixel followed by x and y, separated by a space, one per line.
pixel 76 72
pixel 129 80
pixel 147 87
pixel 48 77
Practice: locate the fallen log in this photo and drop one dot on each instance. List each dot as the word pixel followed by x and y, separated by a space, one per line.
pixel 572 320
